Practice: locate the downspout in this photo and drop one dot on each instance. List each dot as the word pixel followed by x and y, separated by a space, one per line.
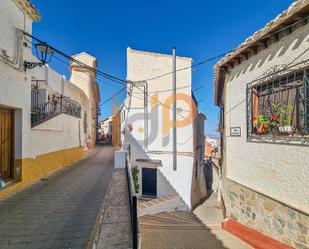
pixel 220 188
pixel 146 115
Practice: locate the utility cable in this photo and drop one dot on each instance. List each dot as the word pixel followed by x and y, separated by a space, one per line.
pixel 122 81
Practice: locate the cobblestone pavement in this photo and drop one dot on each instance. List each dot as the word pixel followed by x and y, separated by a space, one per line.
pixel 59 211
pixel 115 224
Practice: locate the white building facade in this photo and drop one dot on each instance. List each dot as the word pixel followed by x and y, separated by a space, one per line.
pixel 105 130
pixel 262 89
pixel 40 111
pixel 147 114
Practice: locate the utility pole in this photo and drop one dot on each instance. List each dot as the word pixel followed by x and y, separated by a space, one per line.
pixel 174 112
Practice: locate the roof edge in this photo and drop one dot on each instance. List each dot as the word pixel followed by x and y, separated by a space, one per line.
pixel 157 54
pixel 27 7
pixel 271 27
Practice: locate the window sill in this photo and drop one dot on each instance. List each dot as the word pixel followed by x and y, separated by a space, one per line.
pixel 290 140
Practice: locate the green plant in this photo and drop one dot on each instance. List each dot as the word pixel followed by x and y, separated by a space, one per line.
pixel 281 115
pixel 261 120
pixel 135 174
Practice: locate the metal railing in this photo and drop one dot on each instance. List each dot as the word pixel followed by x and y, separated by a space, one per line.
pixel 34 96
pixel 44 111
pixel 133 203
pixel 280 106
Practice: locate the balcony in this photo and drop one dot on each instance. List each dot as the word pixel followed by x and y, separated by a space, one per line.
pixel 55 106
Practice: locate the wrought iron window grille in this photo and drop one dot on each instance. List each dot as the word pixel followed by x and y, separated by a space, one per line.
pixel 278 108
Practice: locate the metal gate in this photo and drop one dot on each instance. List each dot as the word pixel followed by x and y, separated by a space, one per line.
pixel 6 142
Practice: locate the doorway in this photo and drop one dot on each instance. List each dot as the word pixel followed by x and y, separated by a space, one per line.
pixel 149 182
pixel 6 143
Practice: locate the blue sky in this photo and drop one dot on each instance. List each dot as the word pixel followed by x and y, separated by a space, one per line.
pixel 200 29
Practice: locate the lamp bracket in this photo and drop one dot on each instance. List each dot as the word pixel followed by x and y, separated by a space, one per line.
pixel 30 65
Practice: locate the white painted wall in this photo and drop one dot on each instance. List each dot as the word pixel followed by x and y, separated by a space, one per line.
pixel 106 126
pixel 56 134
pixel 143 65
pixel 278 171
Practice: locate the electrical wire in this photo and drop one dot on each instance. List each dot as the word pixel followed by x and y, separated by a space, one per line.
pixel 113 96
pixel 124 82
pixel 99 72
pixel 230 51
pixel 93 78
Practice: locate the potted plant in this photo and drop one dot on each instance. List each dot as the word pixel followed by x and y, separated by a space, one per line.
pixel 261 124
pixel 283 118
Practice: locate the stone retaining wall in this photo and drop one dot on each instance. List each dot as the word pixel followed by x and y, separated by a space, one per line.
pixel 267 216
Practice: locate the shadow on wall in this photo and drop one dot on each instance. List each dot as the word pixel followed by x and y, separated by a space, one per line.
pixel 137 152
pixel 282 46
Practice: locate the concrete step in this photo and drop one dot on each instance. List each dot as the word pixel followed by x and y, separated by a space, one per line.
pixel 183 216
pixel 173 216
pixel 173 220
pixel 159 220
pixel 160 204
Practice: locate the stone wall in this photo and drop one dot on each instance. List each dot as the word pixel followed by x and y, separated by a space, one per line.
pixel 267 216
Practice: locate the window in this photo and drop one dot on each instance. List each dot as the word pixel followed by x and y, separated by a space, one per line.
pixel 279 107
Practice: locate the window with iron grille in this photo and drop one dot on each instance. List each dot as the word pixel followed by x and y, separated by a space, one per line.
pixel 279 107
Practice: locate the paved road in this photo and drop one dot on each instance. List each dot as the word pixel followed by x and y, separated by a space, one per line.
pixel 60 211
pixel 211 216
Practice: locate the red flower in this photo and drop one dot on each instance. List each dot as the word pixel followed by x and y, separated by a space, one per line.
pixel 274 116
pixel 254 118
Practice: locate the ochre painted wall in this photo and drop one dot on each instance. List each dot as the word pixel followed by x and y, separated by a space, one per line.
pixel 35 168
pixel 116 129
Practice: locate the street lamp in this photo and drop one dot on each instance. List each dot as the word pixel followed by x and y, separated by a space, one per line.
pixel 43 52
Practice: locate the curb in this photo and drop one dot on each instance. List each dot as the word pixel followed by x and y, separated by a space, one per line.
pixel 95 233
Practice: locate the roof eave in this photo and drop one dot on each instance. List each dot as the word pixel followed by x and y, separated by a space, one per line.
pixel 285 18
pixel 29 9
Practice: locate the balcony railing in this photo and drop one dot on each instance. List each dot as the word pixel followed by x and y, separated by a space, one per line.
pixel 45 111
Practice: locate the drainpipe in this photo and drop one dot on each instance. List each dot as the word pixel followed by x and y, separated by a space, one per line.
pixel 220 188
pixel 146 115
pixel 174 112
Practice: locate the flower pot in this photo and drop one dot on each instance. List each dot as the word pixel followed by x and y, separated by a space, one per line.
pixel 262 129
pixel 287 129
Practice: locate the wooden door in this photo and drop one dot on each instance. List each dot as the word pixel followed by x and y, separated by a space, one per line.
pixel 6 143
pixel 149 182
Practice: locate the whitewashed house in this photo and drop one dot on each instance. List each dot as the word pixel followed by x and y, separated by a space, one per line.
pixel 146 116
pixel 105 130
pixel 263 90
pixel 41 113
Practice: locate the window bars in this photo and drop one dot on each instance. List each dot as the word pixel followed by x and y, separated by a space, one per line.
pixel 279 107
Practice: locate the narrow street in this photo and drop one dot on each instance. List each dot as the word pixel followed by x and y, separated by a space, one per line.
pixel 186 130
pixel 59 211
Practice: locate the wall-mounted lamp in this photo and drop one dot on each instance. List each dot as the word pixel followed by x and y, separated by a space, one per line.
pixel 43 52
